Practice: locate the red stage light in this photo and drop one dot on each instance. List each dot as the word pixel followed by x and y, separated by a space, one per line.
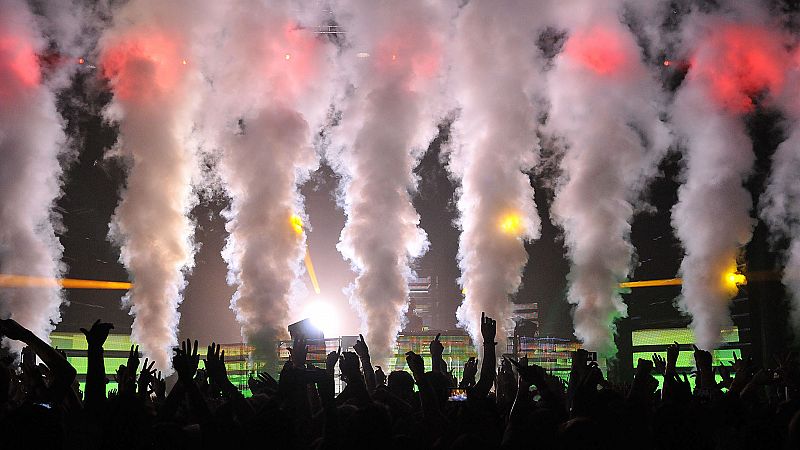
pixel 19 58
pixel 142 64
pixel 603 50
pixel 739 61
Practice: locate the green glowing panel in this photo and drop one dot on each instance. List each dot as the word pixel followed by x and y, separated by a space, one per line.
pixel 77 341
pixel 80 364
pixel 667 336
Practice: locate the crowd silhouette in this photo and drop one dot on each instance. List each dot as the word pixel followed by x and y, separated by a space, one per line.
pixel 514 406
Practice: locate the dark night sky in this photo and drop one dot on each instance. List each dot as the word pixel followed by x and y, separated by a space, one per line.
pixel 92 190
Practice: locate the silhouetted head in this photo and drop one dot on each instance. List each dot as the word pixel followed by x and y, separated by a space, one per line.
pixel 401 384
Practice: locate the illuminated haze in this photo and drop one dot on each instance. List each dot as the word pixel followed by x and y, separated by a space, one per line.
pixel 496 73
pixel 148 57
pixel 604 106
pixel 388 119
pixel 31 139
pixel 270 96
pixel 733 57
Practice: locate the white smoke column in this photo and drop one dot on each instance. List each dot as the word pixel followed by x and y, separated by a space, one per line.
pixel 31 138
pixel 268 74
pixel 730 61
pixel 497 73
pixel 604 104
pixel 780 202
pixel 146 54
pixel 387 121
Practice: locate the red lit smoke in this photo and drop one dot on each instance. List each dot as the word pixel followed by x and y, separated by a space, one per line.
pixel 31 141
pixel 291 60
pixel 19 68
pixel 738 61
pixel 602 50
pixel 142 65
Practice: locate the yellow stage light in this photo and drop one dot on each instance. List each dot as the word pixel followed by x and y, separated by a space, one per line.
pixel 311 273
pixel 24 281
pixel 735 279
pixel 651 283
pixel 297 223
pixel 511 224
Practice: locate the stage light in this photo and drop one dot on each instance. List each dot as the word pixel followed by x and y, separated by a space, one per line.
pixel 81 60
pixel 362 55
pixel 323 316
pixel 24 281
pixel 287 56
pixel 297 223
pixel 735 279
pixel 511 224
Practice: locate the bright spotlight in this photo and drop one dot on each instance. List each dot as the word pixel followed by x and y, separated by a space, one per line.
pixel 323 316
pixel 735 279
pixel 511 224
pixel 297 223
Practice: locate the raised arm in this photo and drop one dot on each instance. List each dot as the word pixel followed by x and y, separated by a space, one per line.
pixel 63 372
pixel 185 362
pixel 218 373
pixel 437 350
pixel 362 351
pixel 488 370
pixel 95 367
pixel 430 407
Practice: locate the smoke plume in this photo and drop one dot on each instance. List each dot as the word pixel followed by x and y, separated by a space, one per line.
pixel 31 139
pixel 497 74
pixel 388 119
pixel 148 57
pixel 780 202
pixel 269 95
pixel 604 105
pixel 731 61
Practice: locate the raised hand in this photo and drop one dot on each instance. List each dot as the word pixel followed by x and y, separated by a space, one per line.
pixel 416 364
pixel 185 361
pixel 360 347
pixel 133 360
pixel 96 336
pixel 702 358
pixel 330 361
pixel 268 381
pixel 348 365
pixel 488 329
pixel 659 364
pixel 470 371
pixel 145 379
pixel 703 361
pixel 725 373
pixel 215 364
pixel 532 375
pixel 159 386
pixel 380 377
pixel 673 351
pixel 436 347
